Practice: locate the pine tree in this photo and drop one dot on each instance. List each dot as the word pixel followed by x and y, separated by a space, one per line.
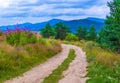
pixel 111 36
pixel 61 30
pixel 92 33
pixel 80 33
pixel 48 31
pixel 84 32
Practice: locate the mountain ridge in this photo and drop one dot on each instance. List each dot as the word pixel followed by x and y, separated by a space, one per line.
pixel 72 24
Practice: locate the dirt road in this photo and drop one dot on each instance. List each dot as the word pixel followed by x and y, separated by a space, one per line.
pixel 77 69
pixel 74 74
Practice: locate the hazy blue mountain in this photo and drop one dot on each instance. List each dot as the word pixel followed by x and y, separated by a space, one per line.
pixel 54 21
pixel 96 19
pixel 72 24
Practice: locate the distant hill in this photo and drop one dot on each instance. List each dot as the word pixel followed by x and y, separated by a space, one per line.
pixel 72 24
pixel 96 19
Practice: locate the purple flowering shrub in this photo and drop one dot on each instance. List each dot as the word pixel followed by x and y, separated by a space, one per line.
pixel 20 37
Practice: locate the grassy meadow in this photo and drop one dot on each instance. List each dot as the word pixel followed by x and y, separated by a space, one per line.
pixel 20 51
pixel 104 65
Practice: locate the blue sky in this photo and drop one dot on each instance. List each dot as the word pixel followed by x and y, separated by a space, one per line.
pixel 20 11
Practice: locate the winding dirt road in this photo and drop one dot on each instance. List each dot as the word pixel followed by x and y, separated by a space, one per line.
pixel 74 74
pixel 77 69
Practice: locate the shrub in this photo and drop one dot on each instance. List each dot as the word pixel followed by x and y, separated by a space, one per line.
pixel 31 38
pixel 90 45
pixel 71 37
pixel 19 37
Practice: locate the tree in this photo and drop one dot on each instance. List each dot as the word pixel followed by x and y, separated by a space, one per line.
pixel 92 33
pixel 80 33
pixel 85 32
pixel 101 38
pixel 48 31
pixel 111 36
pixel 61 30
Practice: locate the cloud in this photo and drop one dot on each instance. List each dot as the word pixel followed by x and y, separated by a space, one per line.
pixel 16 10
pixel 4 3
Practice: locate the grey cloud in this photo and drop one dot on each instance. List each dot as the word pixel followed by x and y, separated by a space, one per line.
pixel 54 8
pixel 13 15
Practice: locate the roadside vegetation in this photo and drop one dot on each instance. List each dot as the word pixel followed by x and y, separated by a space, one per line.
pixel 57 73
pixel 104 64
pixel 103 49
pixel 21 50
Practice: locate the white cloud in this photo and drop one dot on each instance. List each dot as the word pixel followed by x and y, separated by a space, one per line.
pixel 64 1
pixel 39 10
pixel 4 3
pixel 98 11
pixel 19 20
pixel 103 1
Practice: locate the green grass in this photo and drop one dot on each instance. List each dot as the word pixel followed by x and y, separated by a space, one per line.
pixel 15 60
pixel 57 73
pixel 104 65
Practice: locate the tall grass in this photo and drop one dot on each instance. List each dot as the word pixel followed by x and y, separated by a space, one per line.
pixel 16 59
pixel 104 65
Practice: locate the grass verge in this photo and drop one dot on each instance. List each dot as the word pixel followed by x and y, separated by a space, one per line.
pixel 57 73
pixel 15 60
pixel 104 65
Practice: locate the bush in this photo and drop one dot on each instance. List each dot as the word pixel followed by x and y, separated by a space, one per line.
pixel 20 38
pixel 71 37
pixel 31 38
pixel 90 45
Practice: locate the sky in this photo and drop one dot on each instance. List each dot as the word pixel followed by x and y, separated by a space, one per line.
pixel 21 11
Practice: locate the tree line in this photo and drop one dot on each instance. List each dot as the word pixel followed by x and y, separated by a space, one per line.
pixel 108 37
pixel 61 31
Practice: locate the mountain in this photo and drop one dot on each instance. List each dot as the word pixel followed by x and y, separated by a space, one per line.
pixel 96 19
pixel 72 24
